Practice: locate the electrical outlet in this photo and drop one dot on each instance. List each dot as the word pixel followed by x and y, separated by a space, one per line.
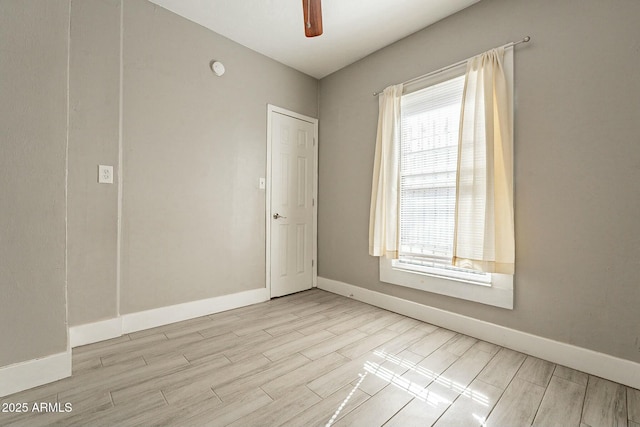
pixel 105 174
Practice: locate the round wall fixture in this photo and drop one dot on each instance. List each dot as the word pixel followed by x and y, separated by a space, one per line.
pixel 217 68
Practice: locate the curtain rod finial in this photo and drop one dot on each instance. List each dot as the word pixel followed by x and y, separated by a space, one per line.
pixel 526 39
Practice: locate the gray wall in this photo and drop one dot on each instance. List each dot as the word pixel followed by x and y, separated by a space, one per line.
pixel 194 146
pixel 33 140
pixel 577 164
pixel 94 97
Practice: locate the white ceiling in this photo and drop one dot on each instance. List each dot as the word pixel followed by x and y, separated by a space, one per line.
pixel 352 28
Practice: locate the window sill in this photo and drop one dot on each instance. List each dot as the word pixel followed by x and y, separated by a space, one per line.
pixel 499 294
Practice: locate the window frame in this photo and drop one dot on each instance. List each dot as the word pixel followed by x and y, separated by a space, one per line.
pixel 499 292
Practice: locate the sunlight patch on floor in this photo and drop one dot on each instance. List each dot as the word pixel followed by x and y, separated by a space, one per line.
pixel 481 420
pixel 415 389
pixel 346 399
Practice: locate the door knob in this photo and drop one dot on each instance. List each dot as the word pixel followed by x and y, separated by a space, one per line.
pixel 277 215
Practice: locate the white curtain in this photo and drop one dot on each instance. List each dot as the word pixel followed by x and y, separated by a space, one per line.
pixel 384 217
pixel 484 236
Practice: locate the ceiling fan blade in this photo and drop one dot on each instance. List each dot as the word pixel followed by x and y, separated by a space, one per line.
pixel 312 13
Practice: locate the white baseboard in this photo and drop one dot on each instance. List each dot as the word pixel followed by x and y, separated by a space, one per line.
pixel 33 373
pixel 175 313
pixel 133 322
pixel 94 332
pixel 25 375
pixel 592 362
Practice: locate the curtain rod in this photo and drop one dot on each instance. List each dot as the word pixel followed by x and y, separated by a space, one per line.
pixel 448 67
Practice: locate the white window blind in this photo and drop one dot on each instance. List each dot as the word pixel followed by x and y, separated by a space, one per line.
pixel 429 147
pixel 430 120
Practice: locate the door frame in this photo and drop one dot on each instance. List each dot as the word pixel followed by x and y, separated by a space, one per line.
pixel 271 110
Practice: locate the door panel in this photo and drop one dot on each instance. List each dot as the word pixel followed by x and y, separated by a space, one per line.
pixel 292 157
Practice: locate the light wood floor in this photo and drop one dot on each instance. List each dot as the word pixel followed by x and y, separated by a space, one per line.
pixel 313 359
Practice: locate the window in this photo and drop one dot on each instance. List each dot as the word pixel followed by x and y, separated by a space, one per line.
pixel 428 161
pixel 428 138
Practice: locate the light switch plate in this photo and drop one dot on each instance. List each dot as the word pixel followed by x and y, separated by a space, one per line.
pixel 105 174
pixel 262 183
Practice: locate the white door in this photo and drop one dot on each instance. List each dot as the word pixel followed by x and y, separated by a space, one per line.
pixel 291 216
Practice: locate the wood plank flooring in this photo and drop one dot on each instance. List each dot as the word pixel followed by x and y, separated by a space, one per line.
pixel 317 359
